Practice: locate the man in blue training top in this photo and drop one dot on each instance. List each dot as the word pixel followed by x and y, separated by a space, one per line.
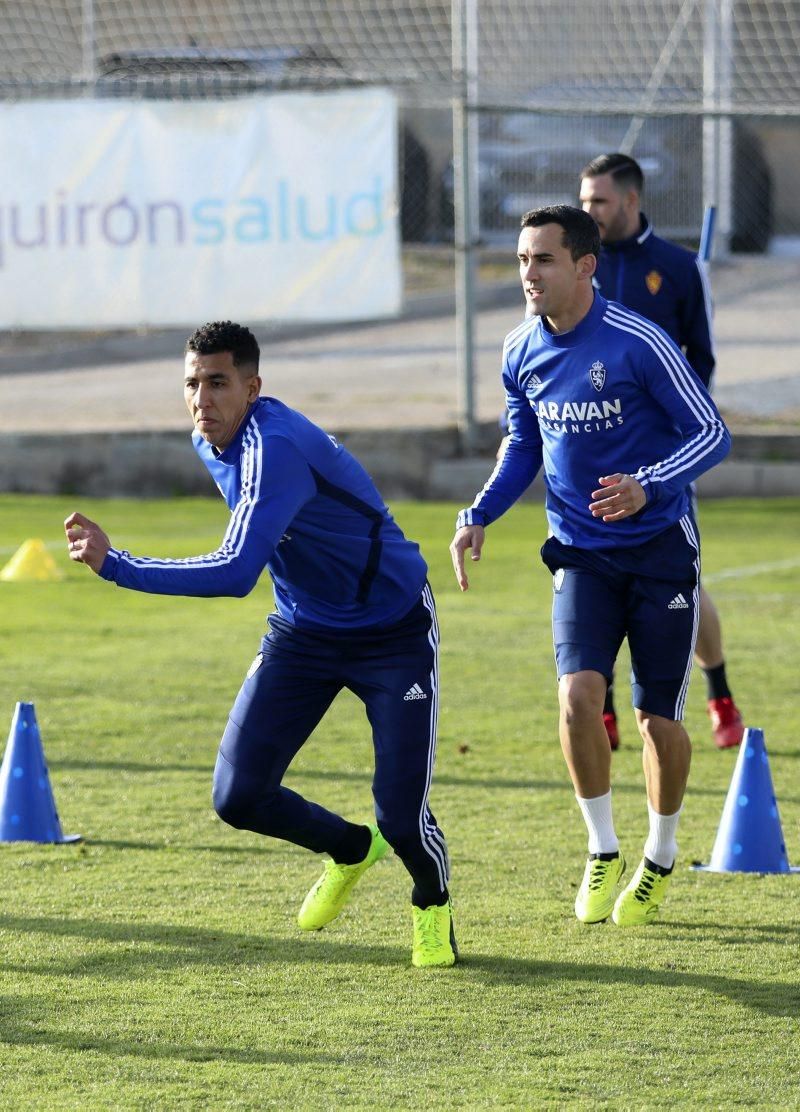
pixel 353 609
pixel 668 285
pixel 608 405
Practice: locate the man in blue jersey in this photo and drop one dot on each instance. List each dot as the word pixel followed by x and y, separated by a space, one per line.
pixel 668 285
pixel 352 609
pixel 608 405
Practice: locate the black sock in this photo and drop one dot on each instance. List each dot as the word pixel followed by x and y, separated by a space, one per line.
pixel 426 897
pixel 660 869
pixel 354 846
pixel 608 706
pixel 716 682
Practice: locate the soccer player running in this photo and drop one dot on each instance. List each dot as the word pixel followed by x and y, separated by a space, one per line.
pixel 353 609
pixel 668 285
pixel 608 404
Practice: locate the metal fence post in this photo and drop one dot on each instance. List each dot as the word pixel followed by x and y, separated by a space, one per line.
pixel 718 127
pixel 465 201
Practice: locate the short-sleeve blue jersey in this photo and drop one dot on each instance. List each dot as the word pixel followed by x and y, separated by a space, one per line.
pixel 305 509
pixel 614 394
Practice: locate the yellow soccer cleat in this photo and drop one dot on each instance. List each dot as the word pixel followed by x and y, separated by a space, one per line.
pixel 598 890
pixel 639 903
pixel 434 937
pixel 333 889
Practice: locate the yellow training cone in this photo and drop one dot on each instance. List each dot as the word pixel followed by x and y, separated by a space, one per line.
pixel 30 562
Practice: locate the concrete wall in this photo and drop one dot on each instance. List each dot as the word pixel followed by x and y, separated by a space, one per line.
pixel 404 463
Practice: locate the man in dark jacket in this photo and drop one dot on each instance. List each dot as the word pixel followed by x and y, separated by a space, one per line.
pixel 668 285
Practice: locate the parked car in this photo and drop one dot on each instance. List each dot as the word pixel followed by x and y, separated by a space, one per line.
pixel 527 159
pixel 197 71
pixel 187 72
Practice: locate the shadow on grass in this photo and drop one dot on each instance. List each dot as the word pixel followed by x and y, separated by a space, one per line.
pixel 441 780
pixel 73 764
pixel 179 847
pixel 23 1023
pixel 768 997
pixel 756 934
pixel 173 946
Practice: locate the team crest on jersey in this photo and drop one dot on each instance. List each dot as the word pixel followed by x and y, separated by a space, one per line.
pixel 653 282
pixel 597 375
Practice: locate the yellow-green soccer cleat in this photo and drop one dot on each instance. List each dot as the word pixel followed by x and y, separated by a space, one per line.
pixel 640 901
pixel 434 937
pixel 332 891
pixel 598 890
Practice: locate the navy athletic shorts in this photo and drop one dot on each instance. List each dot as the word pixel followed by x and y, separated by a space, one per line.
pixel 648 593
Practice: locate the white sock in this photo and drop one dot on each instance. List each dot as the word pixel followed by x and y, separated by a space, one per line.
pixel 597 816
pixel 661 846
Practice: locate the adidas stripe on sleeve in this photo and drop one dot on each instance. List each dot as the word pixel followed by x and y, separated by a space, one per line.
pixel 672 383
pixel 269 498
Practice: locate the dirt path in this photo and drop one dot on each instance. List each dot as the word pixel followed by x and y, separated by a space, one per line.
pixel 389 374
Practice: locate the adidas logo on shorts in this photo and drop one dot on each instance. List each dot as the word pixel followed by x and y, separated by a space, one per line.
pixel 415 692
pixel 678 603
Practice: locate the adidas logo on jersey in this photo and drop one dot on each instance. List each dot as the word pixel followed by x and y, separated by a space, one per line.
pixel 415 692
pixel 534 382
pixel 678 603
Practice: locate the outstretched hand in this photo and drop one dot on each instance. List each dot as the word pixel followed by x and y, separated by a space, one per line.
pixel 469 536
pixel 619 496
pixel 86 541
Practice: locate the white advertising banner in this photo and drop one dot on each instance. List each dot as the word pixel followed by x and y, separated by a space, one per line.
pixel 118 214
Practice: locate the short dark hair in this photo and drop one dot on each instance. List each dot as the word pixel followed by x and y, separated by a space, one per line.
pixel 224 335
pixel 626 171
pixel 580 233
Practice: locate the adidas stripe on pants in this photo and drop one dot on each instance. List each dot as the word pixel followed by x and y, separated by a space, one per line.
pixel 286 693
pixel 647 593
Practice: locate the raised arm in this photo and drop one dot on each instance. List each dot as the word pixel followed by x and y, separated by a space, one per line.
pixel 269 499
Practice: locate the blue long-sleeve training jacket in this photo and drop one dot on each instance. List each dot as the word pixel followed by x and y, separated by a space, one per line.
pixel 305 509
pixel 612 395
pixel 668 285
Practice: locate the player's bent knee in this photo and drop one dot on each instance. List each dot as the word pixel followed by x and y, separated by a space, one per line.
pixel 659 732
pixel 230 805
pixel 581 695
pixel 236 799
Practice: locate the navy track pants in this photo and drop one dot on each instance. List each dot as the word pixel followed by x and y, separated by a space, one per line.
pixel 291 683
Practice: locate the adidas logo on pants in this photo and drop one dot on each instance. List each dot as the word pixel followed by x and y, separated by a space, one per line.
pixel 415 692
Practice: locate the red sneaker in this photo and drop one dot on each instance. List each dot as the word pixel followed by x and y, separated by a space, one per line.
pixel 610 723
pixel 726 723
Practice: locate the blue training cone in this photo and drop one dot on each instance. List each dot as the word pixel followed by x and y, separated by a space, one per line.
pixel 27 807
pixel 750 838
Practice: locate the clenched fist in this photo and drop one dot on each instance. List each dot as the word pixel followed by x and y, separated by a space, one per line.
pixel 86 541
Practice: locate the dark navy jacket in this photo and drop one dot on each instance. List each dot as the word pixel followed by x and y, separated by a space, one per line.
pixel 668 285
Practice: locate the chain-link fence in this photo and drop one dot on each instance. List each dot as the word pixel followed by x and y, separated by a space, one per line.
pixel 501 102
pixel 705 93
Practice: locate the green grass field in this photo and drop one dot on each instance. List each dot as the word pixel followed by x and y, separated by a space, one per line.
pixel 157 964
